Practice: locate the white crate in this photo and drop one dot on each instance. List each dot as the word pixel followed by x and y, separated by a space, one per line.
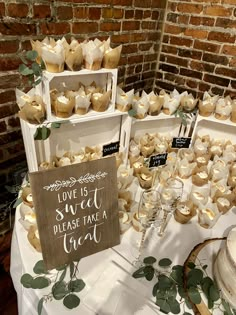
pixel 104 78
pixel 164 124
pixel 75 135
pixel 215 128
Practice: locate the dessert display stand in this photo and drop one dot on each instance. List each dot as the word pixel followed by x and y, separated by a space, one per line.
pixel 108 274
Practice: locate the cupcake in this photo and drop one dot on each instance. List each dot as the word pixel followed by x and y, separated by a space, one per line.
pixel 185 211
pixel 64 106
pixel 100 102
pixel 200 176
pixel 124 100
pixel 199 194
pixel 208 215
pixel 223 108
pixel 145 178
pixel 207 105
pixel 223 204
pixel 125 221
pixel 233 112
pixel 33 238
pixel 27 196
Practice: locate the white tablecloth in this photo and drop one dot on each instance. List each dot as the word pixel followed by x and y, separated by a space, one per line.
pixel 110 288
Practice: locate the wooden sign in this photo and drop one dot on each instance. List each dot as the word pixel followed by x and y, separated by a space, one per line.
pixel 158 160
pixel 110 148
pixel 76 209
pixel 181 142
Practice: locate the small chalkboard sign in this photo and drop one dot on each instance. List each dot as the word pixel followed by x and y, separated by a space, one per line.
pixel 158 160
pixel 76 209
pixel 181 142
pixel 110 148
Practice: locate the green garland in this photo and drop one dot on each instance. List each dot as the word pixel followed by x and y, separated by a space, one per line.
pixel 172 289
pixel 60 289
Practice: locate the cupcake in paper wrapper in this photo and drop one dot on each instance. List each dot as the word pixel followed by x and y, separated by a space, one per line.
pixel 140 105
pixel 171 102
pixel 208 215
pixel 233 112
pixel 223 108
pixel 53 55
pixel 73 55
pixel 64 106
pixel 124 99
pixel 155 104
pixel 93 54
pixel 185 211
pixel 111 56
pixel 32 108
pixel 100 102
pixel 82 101
pixel 188 102
pixel 207 105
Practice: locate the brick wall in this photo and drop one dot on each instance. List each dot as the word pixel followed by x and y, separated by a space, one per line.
pixel 136 24
pixel 199 47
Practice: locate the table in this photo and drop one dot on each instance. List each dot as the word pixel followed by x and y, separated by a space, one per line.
pixel 109 286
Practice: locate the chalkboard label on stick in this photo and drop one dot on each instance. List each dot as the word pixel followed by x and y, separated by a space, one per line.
pixel 110 148
pixel 158 160
pixel 181 142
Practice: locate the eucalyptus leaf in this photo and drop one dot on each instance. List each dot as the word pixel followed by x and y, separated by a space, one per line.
pixel 195 277
pixel 31 55
pixel 165 262
pixel 38 134
pixel 61 267
pixel 174 306
pixel 172 292
pixel 71 301
pixel 155 289
pixel 40 306
pixel 55 125
pixel 17 202
pixel 36 69
pixel 59 290
pixel 149 272
pixel 76 285
pixel 149 260
pixel 210 303
pixel 39 267
pixel 72 269
pixel 164 306
pixel 226 307
pixel 37 81
pixel 26 71
pixel 161 294
pixel 45 132
pixel 139 273
pixel 165 282
pixel 177 275
pixel 132 112
pixel 26 280
pixel 62 276
pixel 214 293
pixel 194 295
pixel 191 265
pixel 40 282
pixel 204 267
pixel 206 283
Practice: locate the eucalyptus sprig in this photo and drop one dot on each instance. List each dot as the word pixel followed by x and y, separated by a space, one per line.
pixel 30 68
pixel 60 289
pixel 43 132
pixel 173 289
pixel 184 116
